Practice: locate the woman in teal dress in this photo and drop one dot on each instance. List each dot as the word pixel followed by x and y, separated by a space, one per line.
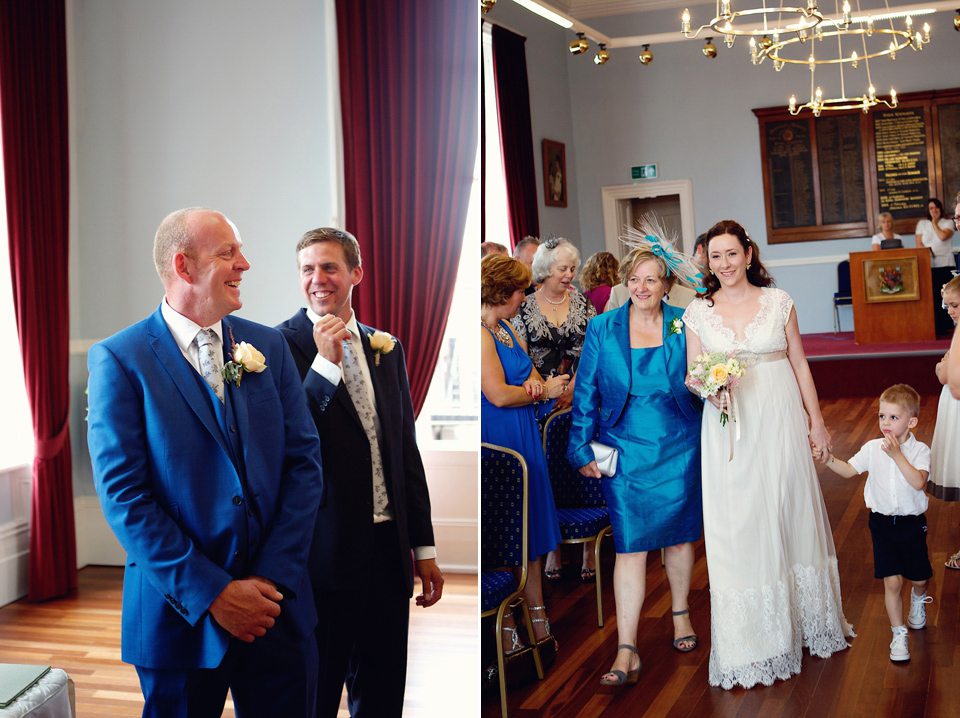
pixel 630 394
pixel 510 387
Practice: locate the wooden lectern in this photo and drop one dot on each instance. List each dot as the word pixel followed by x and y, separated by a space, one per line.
pixel 892 296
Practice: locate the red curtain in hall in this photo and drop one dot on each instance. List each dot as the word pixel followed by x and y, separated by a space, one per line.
pixel 408 86
pixel 516 133
pixel 33 103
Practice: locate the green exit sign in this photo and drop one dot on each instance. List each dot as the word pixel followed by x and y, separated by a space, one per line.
pixel 643 172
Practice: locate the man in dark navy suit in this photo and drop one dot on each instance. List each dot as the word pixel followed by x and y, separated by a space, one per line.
pixel 211 485
pixel 377 507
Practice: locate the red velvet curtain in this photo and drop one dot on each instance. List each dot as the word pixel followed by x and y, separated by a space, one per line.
pixel 408 86
pixel 516 133
pixel 33 103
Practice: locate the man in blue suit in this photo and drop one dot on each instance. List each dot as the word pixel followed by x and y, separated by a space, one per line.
pixel 211 482
pixel 377 506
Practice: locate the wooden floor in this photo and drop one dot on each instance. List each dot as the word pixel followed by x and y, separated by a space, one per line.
pixel 860 681
pixel 81 635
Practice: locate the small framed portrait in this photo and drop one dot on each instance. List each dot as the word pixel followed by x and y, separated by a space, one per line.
pixel 892 280
pixel 554 174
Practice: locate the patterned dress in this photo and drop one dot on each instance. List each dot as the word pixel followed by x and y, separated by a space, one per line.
pixel 548 344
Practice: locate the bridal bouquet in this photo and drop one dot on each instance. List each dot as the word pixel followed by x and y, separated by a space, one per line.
pixel 716 373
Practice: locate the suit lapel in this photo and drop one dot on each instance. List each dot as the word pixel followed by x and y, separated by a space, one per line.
pixel 182 374
pixel 621 331
pixel 238 394
pixel 303 335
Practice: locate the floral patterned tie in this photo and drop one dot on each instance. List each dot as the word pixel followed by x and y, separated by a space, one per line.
pixel 210 361
pixel 360 394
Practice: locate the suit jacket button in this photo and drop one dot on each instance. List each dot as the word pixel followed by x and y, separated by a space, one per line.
pixel 233 429
pixel 237 500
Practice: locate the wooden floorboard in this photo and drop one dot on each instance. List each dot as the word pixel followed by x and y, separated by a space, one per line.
pixel 81 635
pixel 858 682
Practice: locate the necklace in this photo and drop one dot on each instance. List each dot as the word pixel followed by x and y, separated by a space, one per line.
pixel 500 332
pixel 550 301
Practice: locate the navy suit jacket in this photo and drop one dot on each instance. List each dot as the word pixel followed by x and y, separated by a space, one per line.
pixel 343 540
pixel 604 376
pixel 180 504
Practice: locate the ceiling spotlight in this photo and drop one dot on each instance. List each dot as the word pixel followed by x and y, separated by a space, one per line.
pixel 646 57
pixel 602 55
pixel 487 5
pixel 579 45
pixel 709 49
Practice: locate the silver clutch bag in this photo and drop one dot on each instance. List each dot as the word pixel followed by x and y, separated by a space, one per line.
pixel 606 458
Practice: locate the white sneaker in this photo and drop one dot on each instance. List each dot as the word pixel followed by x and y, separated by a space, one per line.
pixel 898 648
pixel 917 618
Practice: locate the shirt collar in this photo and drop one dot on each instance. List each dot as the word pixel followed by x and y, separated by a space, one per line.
pixel 184 330
pixel 352 325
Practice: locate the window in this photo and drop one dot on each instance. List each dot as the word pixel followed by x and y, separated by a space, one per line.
pixel 451 410
pixel 16 430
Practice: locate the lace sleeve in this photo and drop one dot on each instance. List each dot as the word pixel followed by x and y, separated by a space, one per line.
pixel 785 304
pixel 692 315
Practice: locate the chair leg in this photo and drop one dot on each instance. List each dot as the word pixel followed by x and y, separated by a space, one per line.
pixel 606 532
pixel 501 667
pixel 532 641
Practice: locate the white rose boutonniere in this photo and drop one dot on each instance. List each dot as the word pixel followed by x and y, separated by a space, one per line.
pixel 246 357
pixel 676 326
pixel 381 343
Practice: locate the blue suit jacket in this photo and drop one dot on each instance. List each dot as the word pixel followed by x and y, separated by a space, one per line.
pixel 175 498
pixel 604 376
pixel 343 540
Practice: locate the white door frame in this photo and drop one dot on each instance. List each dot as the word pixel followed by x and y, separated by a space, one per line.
pixel 612 197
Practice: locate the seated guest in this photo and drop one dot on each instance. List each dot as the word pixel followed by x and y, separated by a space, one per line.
pixel 598 277
pixel 510 387
pixel 631 390
pixel 885 219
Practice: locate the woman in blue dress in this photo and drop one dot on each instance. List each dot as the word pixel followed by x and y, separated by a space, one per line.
pixel 630 395
pixel 510 387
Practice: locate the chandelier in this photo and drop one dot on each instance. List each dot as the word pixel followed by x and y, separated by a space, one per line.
pixel 729 22
pixel 852 31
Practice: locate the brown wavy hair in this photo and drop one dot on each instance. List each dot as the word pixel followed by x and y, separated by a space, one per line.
pixel 756 273
pixel 500 277
pixel 601 268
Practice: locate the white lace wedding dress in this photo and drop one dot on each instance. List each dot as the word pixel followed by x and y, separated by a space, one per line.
pixel 774 585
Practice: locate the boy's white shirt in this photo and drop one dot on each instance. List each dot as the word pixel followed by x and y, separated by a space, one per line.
pixel 887 491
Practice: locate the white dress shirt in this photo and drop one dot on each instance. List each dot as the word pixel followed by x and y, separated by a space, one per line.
pixel 887 490
pixel 185 332
pixel 334 374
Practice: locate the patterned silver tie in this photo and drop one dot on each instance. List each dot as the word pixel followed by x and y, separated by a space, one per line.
pixel 210 361
pixel 360 394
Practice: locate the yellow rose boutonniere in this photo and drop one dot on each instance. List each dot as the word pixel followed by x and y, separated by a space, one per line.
pixel 381 343
pixel 246 357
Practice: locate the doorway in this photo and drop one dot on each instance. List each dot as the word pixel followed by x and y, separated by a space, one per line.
pixel 672 202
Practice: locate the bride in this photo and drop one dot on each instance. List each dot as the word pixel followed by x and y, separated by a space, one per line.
pixel 774 585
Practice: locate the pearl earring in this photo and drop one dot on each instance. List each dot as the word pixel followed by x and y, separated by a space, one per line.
pixel 748 266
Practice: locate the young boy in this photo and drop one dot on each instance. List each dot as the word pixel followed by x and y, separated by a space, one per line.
pixel 898 465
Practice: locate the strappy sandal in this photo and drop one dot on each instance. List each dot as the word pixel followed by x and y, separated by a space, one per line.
pixel 953 561
pixel 516 646
pixel 553 574
pixel 546 625
pixel 619 677
pixel 686 639
pixel 588 575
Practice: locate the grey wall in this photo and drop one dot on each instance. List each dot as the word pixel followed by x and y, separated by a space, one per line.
pixel 192 102
pixel 692 116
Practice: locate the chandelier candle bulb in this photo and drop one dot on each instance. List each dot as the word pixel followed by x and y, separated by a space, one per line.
pixel 853 59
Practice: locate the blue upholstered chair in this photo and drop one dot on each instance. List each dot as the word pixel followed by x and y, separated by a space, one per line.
pixel 581 507
pixel 844 294
pixel 503 544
